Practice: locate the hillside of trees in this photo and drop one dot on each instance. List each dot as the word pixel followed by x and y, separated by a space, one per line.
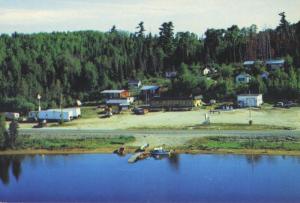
pixel 80 64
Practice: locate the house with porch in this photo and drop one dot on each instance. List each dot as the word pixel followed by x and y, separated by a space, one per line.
pixel 149 91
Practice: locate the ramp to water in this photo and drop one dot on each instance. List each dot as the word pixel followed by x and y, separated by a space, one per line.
pixel 134 157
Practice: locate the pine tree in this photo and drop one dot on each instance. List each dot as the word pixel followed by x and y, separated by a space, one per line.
pixel 141 30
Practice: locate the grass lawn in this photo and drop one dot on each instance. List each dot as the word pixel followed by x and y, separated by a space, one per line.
pixel 74 143
pixel 240 126
pixel 287 143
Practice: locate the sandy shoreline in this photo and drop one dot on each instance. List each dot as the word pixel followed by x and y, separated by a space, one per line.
pixel 132 150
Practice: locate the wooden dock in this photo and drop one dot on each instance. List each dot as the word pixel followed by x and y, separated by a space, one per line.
pixel 134 157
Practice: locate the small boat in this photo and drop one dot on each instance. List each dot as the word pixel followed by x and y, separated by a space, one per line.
pixel 159 151
pixel 120 151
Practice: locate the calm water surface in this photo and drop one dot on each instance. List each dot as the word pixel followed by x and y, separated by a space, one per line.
pixel 184 178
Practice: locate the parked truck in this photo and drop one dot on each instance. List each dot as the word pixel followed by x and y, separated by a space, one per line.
pixel 12 115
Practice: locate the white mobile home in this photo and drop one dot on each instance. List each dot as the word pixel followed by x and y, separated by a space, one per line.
pixel 249 100
pixel 76 112
pixel 55 115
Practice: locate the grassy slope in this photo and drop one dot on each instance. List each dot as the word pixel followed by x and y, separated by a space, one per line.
pixel 218 126
pixel 74 143
pixel 287 143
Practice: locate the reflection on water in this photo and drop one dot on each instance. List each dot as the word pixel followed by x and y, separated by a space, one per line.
pixel 253 159
pixel 12 165
pixel 8 163
pixel 110 178
pixel 174 161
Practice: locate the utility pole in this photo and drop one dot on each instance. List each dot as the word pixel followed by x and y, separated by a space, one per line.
pixel 60 106
pixel 39 98
pixel 250 116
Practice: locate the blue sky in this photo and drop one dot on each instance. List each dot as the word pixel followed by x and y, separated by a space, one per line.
pixel 30 16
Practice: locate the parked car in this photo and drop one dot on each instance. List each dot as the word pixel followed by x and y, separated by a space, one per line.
pixel 226 107
pixel 291 104
pixel 12 116
pixel 279 104
pixel 287 104
pixel 140 111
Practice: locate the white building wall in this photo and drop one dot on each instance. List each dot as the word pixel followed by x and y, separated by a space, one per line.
pixel 250 100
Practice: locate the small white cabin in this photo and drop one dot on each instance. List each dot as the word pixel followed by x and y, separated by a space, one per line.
pixel 249 100
pixel 243 78
pixel 76 111
pixel 206 71
pixel 55 115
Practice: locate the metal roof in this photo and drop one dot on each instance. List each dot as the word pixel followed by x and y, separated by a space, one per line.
pixel 251 95
pixel 112 91
pixel 249 62
pixel 134 81
pixel 123 102
pixel 274 62
pixel 243 75
pixel 149 87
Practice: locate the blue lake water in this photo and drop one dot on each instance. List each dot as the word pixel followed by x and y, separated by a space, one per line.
pixel 184 178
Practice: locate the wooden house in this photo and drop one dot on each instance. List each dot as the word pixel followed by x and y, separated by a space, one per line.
pixel 149 91
pixel 174 103
pixel 115 94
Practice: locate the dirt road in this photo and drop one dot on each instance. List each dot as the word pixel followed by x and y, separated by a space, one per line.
pixel 153 137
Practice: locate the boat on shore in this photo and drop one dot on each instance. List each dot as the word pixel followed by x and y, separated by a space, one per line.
pixel 159 151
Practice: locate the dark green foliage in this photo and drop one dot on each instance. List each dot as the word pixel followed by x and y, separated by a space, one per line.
pixel 286 143
pixel 81 64
pixel 2 130
pixel 18 104
pixel 141 30
pixel 10 138
pixel 67 143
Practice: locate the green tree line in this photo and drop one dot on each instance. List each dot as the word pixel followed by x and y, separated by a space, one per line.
pixel 81 64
